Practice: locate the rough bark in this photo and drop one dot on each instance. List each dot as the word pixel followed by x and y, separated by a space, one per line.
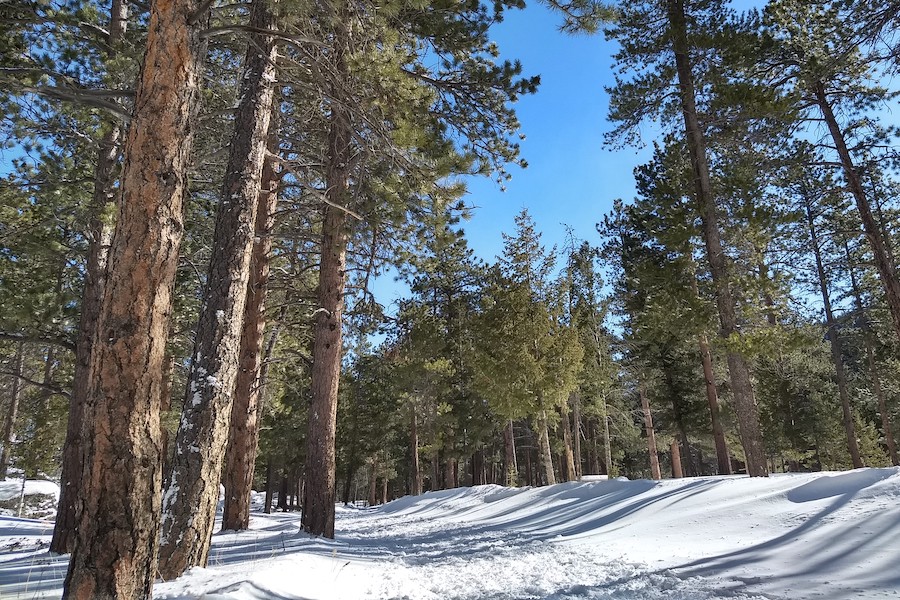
pixel 118 511
pixel 189 505
pixel 677 473
pixel 739 373
pixel 546 457
pixel 318 516
pixel 651 434
pixel 834 339
pixel 15 396
pixel 712 397
pixel 243 434
pixel 882 261
pixel 99 236
pixel 509 448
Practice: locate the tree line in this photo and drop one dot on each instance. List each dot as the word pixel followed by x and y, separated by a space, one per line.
pixel 200 195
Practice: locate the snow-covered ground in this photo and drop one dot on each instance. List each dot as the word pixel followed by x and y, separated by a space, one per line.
pixel 802 536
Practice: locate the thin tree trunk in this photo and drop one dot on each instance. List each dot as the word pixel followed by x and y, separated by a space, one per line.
pixel 509 446
pixel 267 503
pixel 873 233
pixel 569 471
pixel 416 472
pixel 544 444
pixel 576 434
pixel 712 397
pixel 373 481
pixel 739 373
pixel 835 341
pixel 607 443
pixel 318 516
pixel 117 523
pixel 15 396
pixel 99 237
pixel 243 437
pixel 651 434
pixel 189 505
pixel 283 491
pixel 676 460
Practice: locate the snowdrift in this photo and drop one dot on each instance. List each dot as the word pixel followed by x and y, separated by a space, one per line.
pixel 798 536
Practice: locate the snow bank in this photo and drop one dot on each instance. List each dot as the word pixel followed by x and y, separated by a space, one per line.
pixel 799 536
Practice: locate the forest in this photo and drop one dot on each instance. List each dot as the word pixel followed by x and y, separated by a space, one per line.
pixel 197 198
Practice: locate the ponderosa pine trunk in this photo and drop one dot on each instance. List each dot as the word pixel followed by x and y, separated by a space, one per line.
pixel 118 509
pixel 712 398
pixel 607 442
pixel 677 473
pixel 738 370
pixel 243 434
pixel 509 450
pixel 99 237
pixel 318 513
pixel 883 264
pixel 12 411
pixel 189 505
pixel 546 456
pixel 834 340
pixel 651 434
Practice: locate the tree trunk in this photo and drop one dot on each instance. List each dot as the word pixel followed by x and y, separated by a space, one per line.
pixel 676 460
pixel 283 491
pixel 739 373
pixel 267 503
pixel 15 396
pixel 99 236
pixel 318 516
pixel 651 434
pixel 835 341
pixel 189 504
pixel 569 473
pixel 544 444
pixel 373 481
pixel 576 435
pixel 873 233
pixel 712 397
pixel 607 443
pixel 243 435
pixel 509 448
pixel 118 514
pixel 416 473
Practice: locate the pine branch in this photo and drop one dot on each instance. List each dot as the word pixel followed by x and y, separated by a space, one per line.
pixel 38 338
pixel 44 386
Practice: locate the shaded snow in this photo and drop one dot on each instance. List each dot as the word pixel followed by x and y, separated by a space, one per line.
pixel 801 536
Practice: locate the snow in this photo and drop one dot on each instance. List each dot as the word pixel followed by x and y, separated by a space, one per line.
pixel 798 536
pixel 10 489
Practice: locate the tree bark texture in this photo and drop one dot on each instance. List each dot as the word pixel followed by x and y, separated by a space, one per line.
pixel 712 397
pixel 510 466
pixel 870 226
pixel 189 505
pixel 15 396
pixel 118 511
pixel 677 473
pixel 99 237
pixel 544 448
pixel 834 339
pixel 318 513
pixel 739 373
pixel 243 435
pixel 651 434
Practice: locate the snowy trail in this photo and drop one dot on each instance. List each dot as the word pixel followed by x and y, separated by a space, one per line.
pixel 805 536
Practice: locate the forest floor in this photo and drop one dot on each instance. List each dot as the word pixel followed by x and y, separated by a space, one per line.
pixel 798 536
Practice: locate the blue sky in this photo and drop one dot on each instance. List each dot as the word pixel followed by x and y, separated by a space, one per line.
pixel 571 178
